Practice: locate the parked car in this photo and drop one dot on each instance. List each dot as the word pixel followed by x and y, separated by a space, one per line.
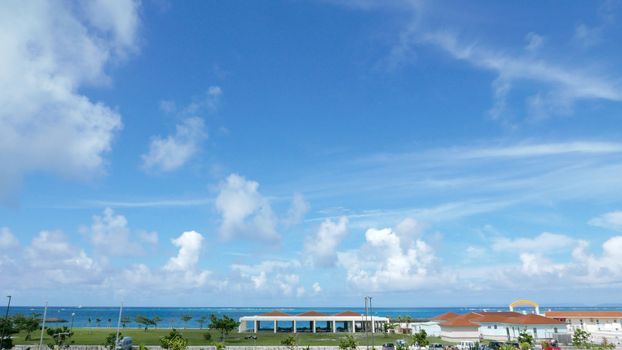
pixel 388 346
pixel 495 345
pixel 550 344
pixel 125 343
pixel 435 346
pixel 466 345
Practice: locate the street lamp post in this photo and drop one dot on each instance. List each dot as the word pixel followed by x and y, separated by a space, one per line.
pixel 6 322
pixel 73 314
pixel 365 324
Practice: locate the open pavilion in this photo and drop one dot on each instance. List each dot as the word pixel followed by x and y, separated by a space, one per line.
pixel 312 322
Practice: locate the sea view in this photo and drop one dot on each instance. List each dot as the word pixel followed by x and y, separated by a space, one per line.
pixel 457 164
pixel 171 316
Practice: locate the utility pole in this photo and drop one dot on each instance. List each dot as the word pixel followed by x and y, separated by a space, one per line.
pixel 373 326
pixel 45 314
pixel 116 342
pixel 365 324
pixel 6 322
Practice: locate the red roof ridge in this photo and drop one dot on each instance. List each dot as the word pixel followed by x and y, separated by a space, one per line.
pixel 465 320
pixel 446 316
pixel 533 319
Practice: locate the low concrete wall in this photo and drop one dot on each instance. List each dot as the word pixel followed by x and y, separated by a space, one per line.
pixel 205 347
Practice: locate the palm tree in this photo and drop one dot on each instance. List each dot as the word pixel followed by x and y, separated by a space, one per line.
pixel 201 321
pixel 98 321
pixel 156 320
pixel 109 322
pixel 186 318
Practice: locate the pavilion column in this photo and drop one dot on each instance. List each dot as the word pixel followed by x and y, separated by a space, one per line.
pixel 334 326
pixel 275 326
pixel 255 326
pixel 313 326
pixel 353 327
pixel 373 325
pixel 294 326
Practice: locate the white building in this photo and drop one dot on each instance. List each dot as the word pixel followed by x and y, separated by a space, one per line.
pixel 591 321
pixel 503 326
pixel 313 322
pixel 430 327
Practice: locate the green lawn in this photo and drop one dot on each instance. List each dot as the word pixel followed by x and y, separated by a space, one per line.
pixel 96 336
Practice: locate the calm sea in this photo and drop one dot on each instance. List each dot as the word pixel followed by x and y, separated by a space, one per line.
pixel 88 316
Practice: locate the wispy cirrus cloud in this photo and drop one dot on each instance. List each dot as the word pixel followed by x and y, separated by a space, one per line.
pixel 439 184
pixel 611 220
pixel 563 85
pixel 550 84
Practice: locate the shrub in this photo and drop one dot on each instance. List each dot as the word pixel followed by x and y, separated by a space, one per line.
pixel 581 338
pixel 347 342
pixel 61 337
pixel 174 341
pixel 289 341
pixel 111 340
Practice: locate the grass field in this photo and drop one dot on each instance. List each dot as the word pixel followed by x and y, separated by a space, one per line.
pixel 96 336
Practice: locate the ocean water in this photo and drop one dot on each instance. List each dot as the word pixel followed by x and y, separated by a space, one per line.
pixel 171 316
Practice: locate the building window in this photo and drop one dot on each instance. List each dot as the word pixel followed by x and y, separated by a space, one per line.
pixel 495 326
pixel 488 327
pixel 555 330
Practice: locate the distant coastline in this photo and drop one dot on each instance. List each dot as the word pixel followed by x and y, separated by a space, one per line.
pixel 88 316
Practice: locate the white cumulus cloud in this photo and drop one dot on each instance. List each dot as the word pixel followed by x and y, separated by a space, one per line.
pixel 49 52
pixel 7 239
pixel 58 262
pixel 190 244
pixel 384 263
pixel 321 247
pixel 172 152
pixel 244 211
pixel 272 277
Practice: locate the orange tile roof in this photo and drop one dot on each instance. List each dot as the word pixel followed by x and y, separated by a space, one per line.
pixel 465 320
pixel 496 317
pixel 347 313
pixel 275 313
pixel 474 319
pixel 586 314
pixel 532 319
pixel 312 313
pixel 502 313
pixel 446 316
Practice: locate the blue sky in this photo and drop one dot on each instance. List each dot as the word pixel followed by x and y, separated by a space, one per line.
pixel 309 153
